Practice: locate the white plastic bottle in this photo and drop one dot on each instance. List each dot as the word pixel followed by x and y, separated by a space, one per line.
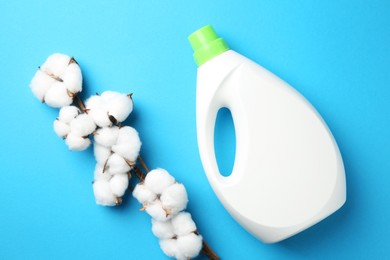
pixel 288 173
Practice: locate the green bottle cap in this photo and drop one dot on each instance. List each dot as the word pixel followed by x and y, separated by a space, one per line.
pixel 206 44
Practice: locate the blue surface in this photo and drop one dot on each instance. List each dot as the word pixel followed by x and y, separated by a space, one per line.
pixel 336 53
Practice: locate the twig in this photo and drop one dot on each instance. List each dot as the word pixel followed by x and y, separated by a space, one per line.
pixel 80 103
pixel 209 252
pixel 138 173
pixel 143 164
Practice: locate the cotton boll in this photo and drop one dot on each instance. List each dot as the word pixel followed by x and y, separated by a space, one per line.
pixel 127 134
pixel 40 84
pixel 162 230
pixel 57 96
pixel 143 194
pixel 60 128
pixel 120 107
pixel 56 63
pixel 103 193
pixel 156 211
pixel 95 102
pixel 107 136
pixel 100 175
pixel 100 116
pixel 174 198
pixel 109 96
pixel 129 151
pixel 183 224
pixel 98 110
pixel 82 125
pixel 119 184
pixel 189 245
pixel 158 180
pixel 117 164
pixel 68 113
pixel 73 78
pixel 128 143
pixel 77 143
pixel 170 248
pixel 101 153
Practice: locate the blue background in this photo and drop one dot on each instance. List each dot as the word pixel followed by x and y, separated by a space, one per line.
pixel 336 53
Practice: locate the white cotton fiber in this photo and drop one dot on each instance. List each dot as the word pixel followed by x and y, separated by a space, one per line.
pixel 57 95
pixel 103 193
pixel 100 116
pixel 182 224
pixel 129 151
pixel 68 113
pixel 156 211
pixel 128 143
pixel 56 63
pixel 120 106
pixel 162 229
pixel 82 125
pixel 158 180
pixel 116 164
pixel 127 134
pixel 119 184
pixel 189 245
pixel 72 78
pixel 101 153
pixel 40 84
pixel 170 248
pixel 77 143
pixel 174 198
pixel 143 194
pixel 57 80
pixel 100 175
pixel 109 103
pixel 107 136
pixel 60 128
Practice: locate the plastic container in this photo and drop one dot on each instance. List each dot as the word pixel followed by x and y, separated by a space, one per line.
pixel 288 173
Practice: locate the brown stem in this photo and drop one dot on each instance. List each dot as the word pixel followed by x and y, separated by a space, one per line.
pixel 143 164
pixel 138 173
pixel 206 249
pixel 80 103
pixel 209 252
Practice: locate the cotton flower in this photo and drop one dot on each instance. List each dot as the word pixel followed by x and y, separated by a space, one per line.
pixel 158 180
pixel 157 212
pixel 189 245
pixel 108 188
pixel 143 194
pixel 74 127
pixel 103 193
pixel 119 184
pixel 62 123
pixel 162 229
pixel 107 136
pixel 109 108
pixel 57 80
pixel 174 198
pixel 117 148
pixel 182 224
pixel 164 199
pixel 182 247
pixel 170 248
pixel 117 164
pixel 77 143
pixel 101 153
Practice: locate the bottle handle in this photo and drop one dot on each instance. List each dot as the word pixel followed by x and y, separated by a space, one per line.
pixel 222 99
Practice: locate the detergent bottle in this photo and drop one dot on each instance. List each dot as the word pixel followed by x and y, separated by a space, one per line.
pixel 288 173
